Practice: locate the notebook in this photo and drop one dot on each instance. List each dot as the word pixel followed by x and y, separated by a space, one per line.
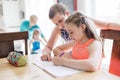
pixel 55 71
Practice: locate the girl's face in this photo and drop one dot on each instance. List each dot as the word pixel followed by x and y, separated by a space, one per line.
pixel 74 31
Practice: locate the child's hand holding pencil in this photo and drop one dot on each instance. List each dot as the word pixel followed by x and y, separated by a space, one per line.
pixel 58 60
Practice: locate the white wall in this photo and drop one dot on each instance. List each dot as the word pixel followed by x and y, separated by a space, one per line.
pixel 109 11
pixel 12 9
pixel 81 5
pixel 22 9
pixel 1 10
pixel 40 9
pixel 87 7
pixel 11 12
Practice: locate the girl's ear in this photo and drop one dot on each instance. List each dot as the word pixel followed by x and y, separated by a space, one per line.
pixel 83 27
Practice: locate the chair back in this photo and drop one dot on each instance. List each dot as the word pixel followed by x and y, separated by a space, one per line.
pixel 114 67
pixel 7 42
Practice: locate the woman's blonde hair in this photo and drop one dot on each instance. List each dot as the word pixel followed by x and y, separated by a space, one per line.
pixel 33 18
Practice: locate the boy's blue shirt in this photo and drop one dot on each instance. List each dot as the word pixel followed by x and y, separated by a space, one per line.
pixel 25 27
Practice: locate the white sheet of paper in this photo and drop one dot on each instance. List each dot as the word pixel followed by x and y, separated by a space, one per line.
pixel 56 71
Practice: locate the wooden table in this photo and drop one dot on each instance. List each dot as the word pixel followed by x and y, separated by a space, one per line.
pixel 32 72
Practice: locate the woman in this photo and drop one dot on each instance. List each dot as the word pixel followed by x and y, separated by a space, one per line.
pixel 58 13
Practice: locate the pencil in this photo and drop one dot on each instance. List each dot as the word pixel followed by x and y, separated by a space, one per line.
pixel 61 54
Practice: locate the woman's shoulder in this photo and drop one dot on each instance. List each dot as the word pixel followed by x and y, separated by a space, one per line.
pixel 25 23
pixel 56 30
pixel 24 26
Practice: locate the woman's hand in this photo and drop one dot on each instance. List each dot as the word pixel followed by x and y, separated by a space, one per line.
pixel 46 55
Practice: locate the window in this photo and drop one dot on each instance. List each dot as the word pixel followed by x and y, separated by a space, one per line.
pixel 70 4
pixel 108 10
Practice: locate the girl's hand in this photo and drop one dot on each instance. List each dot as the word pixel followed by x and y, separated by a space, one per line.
pixel 58 61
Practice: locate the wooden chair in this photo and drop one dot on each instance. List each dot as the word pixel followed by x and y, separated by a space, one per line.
pixel 7 42
pixel 114 67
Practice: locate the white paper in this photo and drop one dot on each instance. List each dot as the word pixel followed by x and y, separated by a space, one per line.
pixel 56 71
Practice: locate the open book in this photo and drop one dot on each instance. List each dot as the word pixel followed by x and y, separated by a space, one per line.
pixel 55 71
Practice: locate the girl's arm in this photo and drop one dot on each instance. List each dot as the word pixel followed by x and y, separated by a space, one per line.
pixel 106 25
pixel 90 64
pixel 64 47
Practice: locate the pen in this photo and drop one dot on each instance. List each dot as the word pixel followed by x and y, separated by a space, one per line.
pixel 61 54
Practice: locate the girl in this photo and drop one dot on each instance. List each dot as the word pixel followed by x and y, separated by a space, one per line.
pixel 86 48
pixel 35 41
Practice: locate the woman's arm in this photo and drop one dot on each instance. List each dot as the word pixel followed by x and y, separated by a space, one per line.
pixel 53 38
pixel 106 25
pixel 48 48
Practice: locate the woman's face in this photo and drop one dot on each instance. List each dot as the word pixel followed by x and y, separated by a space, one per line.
pixel 33 22
pixel 59 20
pixel 74 31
